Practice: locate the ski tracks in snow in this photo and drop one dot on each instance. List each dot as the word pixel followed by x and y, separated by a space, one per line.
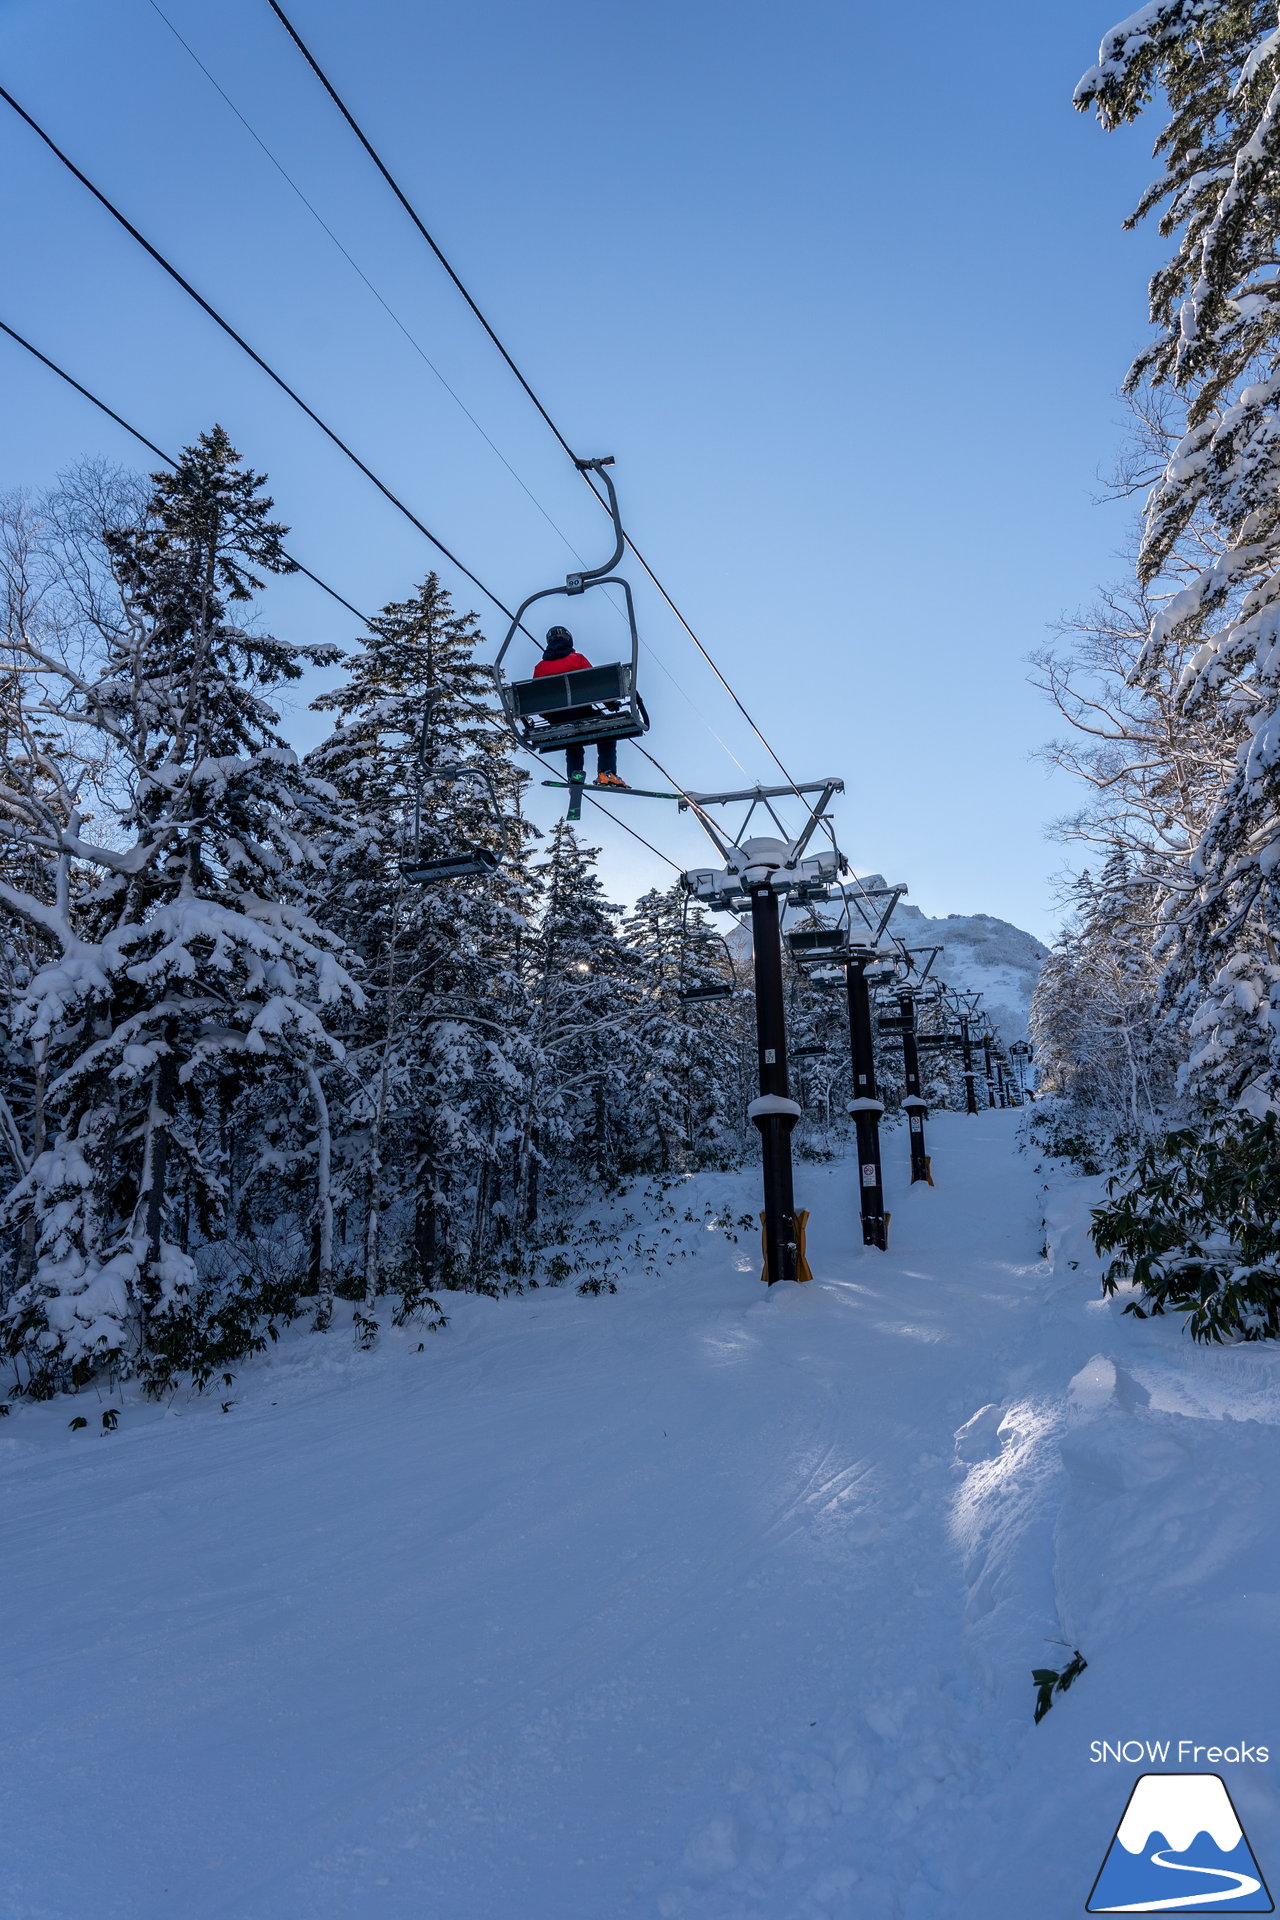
pixel 683 1605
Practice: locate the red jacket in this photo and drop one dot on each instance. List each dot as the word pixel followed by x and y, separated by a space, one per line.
pixel 571 663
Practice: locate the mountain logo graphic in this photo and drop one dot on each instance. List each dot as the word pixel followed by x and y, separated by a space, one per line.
pixel 1180 1848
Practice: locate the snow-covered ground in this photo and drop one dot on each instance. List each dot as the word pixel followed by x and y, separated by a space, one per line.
pixel 675 1603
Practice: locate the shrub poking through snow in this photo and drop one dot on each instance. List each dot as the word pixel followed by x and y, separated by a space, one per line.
pixel 1051 1680
pixel 1195 1225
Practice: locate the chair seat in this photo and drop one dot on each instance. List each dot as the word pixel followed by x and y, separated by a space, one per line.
pixel 553 693
pixel 557 710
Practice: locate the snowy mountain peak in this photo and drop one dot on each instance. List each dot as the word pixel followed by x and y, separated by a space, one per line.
pixel 978 951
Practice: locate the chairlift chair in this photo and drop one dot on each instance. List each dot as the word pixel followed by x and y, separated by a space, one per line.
pixel 883 975
pixel 817 943
pixel 558 710
pixel 460 863
pixel 700 936
pixel 451 866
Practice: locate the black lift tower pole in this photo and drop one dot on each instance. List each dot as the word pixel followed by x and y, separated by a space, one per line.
pixel 773 1115
pixel 966 1043
pixel 758 874
pixel 866 1107
pixel 913 1101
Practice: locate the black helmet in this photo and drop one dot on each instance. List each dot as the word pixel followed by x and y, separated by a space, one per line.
pixel 559 642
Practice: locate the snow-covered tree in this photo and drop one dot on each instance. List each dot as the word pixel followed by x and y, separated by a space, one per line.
pixel 578 1106
pixel 690 1102
pixel 1096 1020
pixel 1216 308
pixel 189 971
pixel 435 1058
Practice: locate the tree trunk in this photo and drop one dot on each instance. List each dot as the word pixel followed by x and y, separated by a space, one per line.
pixel 324 1204
pixel 155 1170
pixel 27 1251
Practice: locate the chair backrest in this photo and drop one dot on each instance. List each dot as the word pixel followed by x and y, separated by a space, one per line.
pixel 551 693
pixel 817 939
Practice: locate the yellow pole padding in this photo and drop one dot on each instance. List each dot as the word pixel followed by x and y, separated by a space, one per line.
pixel 803 1270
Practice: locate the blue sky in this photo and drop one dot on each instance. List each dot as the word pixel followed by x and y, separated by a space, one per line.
pixel 843 290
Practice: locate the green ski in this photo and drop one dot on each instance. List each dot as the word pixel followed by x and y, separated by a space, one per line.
pixel 641 793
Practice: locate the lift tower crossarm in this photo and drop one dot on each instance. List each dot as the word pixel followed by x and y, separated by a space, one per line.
pixel 921 972
pixel 825 787
pixel 761 796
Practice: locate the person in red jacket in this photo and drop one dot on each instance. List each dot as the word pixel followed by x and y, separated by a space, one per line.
pixel 559 657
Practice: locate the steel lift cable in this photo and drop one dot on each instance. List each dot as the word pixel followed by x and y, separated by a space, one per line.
pixel 412 339
pixel 356 268
pixel 256 357
pixel 159 452
pixel 409 336
pixel 462 288
pixel 258 360
pixel 482 712
pixel 409 208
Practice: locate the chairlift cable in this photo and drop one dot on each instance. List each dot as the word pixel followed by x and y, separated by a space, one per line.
pixel 413 214
pixel 159 452
pixel 135 433
pixel 462 288
pixel 255 356
pixel 356 268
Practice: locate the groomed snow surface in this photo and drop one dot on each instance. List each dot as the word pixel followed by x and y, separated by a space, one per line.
pixel 673 1603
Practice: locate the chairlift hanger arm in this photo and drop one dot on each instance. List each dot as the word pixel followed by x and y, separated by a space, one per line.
pixel 595 576
pixel 922 973
pixel 827 787
pixel 601 576
pixel 817 815
pixel 892 894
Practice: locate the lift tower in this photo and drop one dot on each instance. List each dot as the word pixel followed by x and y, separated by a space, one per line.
pixel 760 873
pixel 858 950
pixel 910 992
pixel 966 1004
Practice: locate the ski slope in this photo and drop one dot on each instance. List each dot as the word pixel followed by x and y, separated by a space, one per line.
pixel 673 1603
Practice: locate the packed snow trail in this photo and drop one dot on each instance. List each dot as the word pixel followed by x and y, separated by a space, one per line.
pixel 670 1604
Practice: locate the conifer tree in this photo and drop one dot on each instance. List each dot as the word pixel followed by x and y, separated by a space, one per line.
pixel 193 970
pixel 422 771
pixel 586 1055
pixel 1216 308
pixel 689 1105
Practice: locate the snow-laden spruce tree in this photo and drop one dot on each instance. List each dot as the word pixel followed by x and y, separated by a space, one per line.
pixel 188 972
pixel 578 1111
pixel 39 774
pixel 437 1056
pixel 1096 1024
pixel 689 1105
pixel 1216 308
